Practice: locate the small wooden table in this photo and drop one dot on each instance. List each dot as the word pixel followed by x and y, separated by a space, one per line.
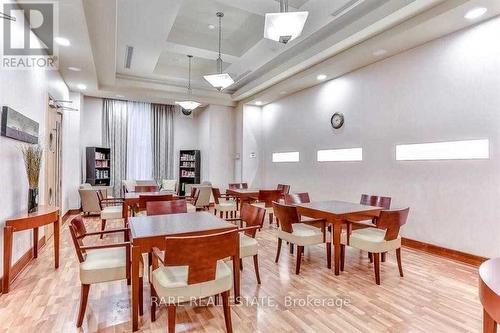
pixel 43 216
pixel 243 194
pixel 150 231
pixel 336 213
pixel 489 294
pixel 133 198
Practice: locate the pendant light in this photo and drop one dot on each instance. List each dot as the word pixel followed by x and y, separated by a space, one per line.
pixel 219 80
pixel 189 105
pixel 284 26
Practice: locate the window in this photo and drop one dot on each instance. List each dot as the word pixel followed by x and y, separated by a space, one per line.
pixel 286 157
pixel 340 155
pixel 452 150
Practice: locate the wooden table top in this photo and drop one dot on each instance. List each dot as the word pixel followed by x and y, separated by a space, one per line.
pixel 42 210
pixel 176 224
pixel 339 208
pixel 243 190
pixel 489 272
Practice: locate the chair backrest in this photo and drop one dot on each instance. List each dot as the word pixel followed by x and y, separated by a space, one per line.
pixel 89 200
pixel 244 185
pixel 201 253
pixel 169 185
pixel 235 186
pixel 204 194
pixel 78 232
pixel 391 221
pixel 285 189
pixel 268 196
pixel 143 199
pixel 128 185
pixel 297 198
pixel 85 186
pixel 146 188
pixel 216 194
pixel 252 216
pixel 287 215
pixel 375 200
pixel 166 207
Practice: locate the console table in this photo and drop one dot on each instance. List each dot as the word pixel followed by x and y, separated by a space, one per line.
pixel 44 216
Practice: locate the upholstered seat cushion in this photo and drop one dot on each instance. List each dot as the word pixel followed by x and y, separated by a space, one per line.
pixel 248 246
pixel 102 265
pixel 370 240
pixel 302 235
pixel 226 206
pixel 111 212
pixel 191 208
pixel 171 283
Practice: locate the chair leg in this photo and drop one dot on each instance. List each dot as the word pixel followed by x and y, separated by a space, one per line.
pixel 256 267
pixel 241 264
pixel 154 299
pixel 278 251
pixel 215 212
pixel 400 266
pixel 370 256
pixel 171 318
pixel 141 297
pixel 270 218
pixel 376 260
pixel 300 251
pixel 382 256
pixel 103 226
pixel 84 296
pixel 220 214
pixel 291 248
pixel 342 257
pixel 227 311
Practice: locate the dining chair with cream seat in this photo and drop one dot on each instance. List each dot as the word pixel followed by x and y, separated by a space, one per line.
pixel 169 186
pixel 111 209
pixel 166 207
pixel 100 263
pixel 292 230
pixel 265 200
pixel 223 204
pixel 192 201
pixel 251 219
pixel 382 237
pixel 128 185
pixel 179 276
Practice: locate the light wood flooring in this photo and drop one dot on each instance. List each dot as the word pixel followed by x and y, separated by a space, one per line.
pixel 436 295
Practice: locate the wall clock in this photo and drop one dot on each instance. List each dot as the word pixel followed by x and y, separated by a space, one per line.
pixel 337 120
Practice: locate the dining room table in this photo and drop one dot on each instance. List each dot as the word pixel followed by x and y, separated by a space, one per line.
pixel 337 213
pixel 244 194
pixel 131 199
pixel 147 232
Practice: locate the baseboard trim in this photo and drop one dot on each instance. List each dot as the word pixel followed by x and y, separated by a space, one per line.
pixel 23 262
pixel 463 257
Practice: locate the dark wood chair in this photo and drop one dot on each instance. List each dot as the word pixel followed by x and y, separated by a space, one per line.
pixel 203 256
pixel 294 231
pixel 251 219
pixel 146 188
pixel 285 189
pixel 266 199
pixel 489 294
pixel 166 207
pixel 223 204
pixel 111 209
pixel 296 198
pixel 100 263
pixel 234 186
pixel 381 238
pixel 145 198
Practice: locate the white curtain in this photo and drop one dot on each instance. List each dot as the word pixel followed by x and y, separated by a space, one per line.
pixel 139 147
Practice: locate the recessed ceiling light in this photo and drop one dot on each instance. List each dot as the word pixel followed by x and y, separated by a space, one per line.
pixel 475 13
pixel 62 41
pixel 75 69
pixel 379 52
pixel 81 86
pixel 211 26
pixel 258 103
pixel 321 77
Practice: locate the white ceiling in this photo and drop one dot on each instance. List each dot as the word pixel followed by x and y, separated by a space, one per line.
pixel 339 36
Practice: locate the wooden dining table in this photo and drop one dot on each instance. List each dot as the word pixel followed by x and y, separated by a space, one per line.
pixel 147 232
pixel 337 213
pixel 131 199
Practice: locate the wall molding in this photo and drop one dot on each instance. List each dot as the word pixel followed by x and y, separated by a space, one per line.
pixel 463 257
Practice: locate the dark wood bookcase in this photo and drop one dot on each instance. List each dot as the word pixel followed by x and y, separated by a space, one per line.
pixel 189 169
pixel 98 166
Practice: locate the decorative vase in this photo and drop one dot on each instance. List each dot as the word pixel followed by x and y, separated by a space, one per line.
pixel 32 200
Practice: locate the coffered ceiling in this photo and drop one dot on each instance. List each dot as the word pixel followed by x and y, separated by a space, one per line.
pixel 157 35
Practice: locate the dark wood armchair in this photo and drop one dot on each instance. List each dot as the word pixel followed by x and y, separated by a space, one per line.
pixel 166 207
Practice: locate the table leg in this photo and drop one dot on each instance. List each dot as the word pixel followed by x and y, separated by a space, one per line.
pixel 489 324
pixel 56 243
pixel 337 229
pixel 236 277
pixel 136 254
pixel 35 242
pixel 125 213
pixel 7 256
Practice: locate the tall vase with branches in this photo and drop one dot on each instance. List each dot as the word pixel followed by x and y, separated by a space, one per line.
pixel 32 155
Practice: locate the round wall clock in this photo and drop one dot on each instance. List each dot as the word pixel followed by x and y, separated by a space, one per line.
pixel 337 120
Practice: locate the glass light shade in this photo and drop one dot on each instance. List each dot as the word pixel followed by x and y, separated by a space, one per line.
pixel 284 27
pixel 219 81
pixel 188 105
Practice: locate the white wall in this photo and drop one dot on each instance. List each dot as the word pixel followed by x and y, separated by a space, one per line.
pixel 91 129
pixel 448 89
pixel 252 157
pixel 26 92
pixel 185 137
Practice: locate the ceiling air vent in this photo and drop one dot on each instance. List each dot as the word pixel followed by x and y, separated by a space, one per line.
pixel 128 56
pixel 347 8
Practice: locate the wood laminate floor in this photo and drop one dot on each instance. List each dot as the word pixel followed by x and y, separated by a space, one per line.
pixel 436 295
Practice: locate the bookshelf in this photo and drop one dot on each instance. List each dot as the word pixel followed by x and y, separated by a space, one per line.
pixel 189 169
pixel 98 166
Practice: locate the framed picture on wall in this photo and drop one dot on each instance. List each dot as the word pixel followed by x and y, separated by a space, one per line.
pixel 16 126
